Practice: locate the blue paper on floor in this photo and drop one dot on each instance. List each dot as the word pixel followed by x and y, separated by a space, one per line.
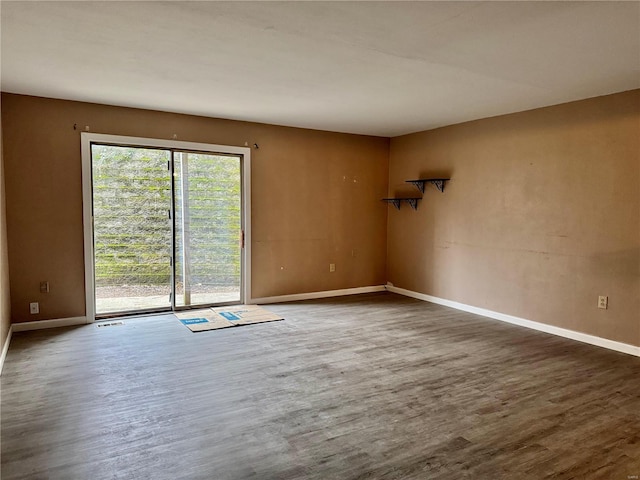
pixel 192 321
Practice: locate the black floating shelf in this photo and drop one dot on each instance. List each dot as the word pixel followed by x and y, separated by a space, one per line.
pixel 396 202
pixel 421 182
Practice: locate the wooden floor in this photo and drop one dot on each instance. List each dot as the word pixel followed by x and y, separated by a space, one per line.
pixel 365 387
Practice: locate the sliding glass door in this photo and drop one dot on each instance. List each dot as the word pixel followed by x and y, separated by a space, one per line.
pixel 207 228
pixel 167 228
pixel 131 228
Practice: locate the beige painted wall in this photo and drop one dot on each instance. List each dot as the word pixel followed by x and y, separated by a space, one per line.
pixel 315 199
pixel 5 307
pixel 542 215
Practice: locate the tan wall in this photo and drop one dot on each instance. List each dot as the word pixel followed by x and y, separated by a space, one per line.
pixel 315 199
pixel 541 216
pixel 5 307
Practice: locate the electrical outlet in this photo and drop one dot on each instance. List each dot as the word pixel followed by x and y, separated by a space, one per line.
pixel 603 302
pixel 34 307
pixel 44 287
pixel 332 267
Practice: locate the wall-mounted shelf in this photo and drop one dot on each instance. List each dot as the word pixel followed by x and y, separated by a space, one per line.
pixel 420 185
pixel 421 182
pixel 396 202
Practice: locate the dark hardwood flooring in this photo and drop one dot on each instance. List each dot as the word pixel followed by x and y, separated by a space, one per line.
pixel 365 387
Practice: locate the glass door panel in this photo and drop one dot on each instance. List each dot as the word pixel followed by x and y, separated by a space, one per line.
pixel 131 228
pixel 207 226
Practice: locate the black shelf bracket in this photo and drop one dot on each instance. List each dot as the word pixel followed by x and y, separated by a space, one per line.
pixel 421 182
pixel 396 202
pixel 413 202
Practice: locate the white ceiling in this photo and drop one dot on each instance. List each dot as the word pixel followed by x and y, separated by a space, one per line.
pixel 378 68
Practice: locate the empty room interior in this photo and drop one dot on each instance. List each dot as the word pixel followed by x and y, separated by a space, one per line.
pixel 320 240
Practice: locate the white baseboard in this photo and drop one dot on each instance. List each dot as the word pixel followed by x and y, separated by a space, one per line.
pixel 5 348
pixel 313 295
pixel 40 324
pixel 523 322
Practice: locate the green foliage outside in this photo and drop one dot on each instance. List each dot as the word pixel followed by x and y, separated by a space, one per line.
pixel 132 228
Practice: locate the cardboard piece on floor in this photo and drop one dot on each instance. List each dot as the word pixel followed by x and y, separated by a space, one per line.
pixel 245 314
pixel 202 320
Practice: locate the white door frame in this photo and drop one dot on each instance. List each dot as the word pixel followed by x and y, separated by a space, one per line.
pixel 87 202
